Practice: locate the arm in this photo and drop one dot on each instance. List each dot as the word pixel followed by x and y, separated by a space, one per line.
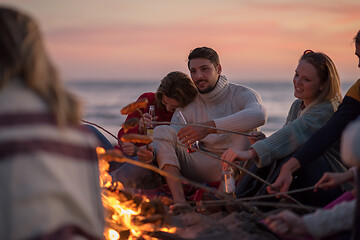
pixel 251 115
pixel 320 142
pixel 331 179
pixel 326 222
pixel 323 139
pixel 289 138
pixel 320 224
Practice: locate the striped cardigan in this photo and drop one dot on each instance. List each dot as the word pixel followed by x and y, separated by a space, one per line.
pixel 49 179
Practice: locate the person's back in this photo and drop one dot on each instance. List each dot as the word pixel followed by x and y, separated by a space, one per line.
pixel 49 176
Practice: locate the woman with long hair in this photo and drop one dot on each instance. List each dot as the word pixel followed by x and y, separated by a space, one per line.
pixel 317 89
pixel 49 179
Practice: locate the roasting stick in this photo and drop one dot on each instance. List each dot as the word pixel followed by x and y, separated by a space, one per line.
pixel 204 126
pixel 212 155
pixel 262 196
pixel 242 169
pixel 120 158
pixel 100 128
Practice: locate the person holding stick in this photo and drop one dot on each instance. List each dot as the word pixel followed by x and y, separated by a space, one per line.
pixel 337 221
pixel 176 89
pixel 324 138
pixel 317 89
pixel 219 104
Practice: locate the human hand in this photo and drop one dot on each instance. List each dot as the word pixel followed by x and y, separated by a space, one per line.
pixel 286 223
pixel 231 154
pixel 145 122
pixel 191 134
pixel 256 136
pixel 129 149
pixel 146 155
pixel 331 179
pixel 282 182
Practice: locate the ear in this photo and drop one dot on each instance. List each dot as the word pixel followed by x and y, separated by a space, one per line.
pixel 219 69
pixel 321 87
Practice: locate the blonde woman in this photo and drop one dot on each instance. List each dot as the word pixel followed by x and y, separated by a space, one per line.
pixel 49 180
pixel 317 89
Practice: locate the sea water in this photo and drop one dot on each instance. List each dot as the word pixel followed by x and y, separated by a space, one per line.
pixel 103 100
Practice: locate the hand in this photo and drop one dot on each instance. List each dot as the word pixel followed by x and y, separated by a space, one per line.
pixel 286 223
pixel 145 123
pixel 331 179
pixel 282 182
pixel 191 134
pixel 129 149
pixel 231 154
pixel 146 155
pixel 256 136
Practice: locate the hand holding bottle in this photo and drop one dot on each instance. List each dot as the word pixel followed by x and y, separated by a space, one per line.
pixel 145 123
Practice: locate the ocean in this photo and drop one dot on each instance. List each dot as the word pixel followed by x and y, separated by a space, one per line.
pixel 103 100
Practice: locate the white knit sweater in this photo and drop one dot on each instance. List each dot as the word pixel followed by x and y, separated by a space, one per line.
pixel 231 107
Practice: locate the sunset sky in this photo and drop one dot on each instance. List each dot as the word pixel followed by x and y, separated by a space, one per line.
pixel 145 39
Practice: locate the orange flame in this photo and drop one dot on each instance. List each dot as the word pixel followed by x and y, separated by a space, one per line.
pixel 121 213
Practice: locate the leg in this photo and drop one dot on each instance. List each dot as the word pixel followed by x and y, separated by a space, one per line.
pixel 132 176
pixel 104 142
pixel 175 186
pixel 175 159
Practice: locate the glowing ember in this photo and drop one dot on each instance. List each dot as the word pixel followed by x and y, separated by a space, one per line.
pixel 122 214
pixel 112 235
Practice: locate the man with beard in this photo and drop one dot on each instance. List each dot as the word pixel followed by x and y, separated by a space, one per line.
pixel 219 104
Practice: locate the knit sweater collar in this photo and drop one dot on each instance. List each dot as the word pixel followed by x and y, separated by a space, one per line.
pixel 218 91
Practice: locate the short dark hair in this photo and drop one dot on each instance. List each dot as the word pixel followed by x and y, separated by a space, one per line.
pixel 176 85
pixel 357 38
pixel 204 52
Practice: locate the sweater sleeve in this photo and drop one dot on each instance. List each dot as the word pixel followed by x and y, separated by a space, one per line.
pixel 327 136
pixel 289 138
pixel 324 223
pixel 252 116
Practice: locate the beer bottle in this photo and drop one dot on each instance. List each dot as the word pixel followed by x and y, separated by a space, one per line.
pixel 150 128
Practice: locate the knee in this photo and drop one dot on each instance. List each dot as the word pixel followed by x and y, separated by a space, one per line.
pixel 164 131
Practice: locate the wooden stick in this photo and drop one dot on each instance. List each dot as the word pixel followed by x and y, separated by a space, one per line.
pixel 204 126
pixel 239 167
pixel 122 159
pixel 264 196
pixel 101 129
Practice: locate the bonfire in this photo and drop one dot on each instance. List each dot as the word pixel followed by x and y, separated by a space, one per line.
pixel 129 216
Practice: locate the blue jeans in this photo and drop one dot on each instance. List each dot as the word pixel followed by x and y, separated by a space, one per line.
pixel 104 142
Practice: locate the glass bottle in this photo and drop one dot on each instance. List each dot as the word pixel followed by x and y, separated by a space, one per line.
pixel 150 128
pixel 228 181
pixel 196 143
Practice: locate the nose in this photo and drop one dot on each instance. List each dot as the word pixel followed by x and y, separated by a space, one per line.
pixel 298 81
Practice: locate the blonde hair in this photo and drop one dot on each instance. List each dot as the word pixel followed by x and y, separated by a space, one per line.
pixel 23 57
pixel 328 75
